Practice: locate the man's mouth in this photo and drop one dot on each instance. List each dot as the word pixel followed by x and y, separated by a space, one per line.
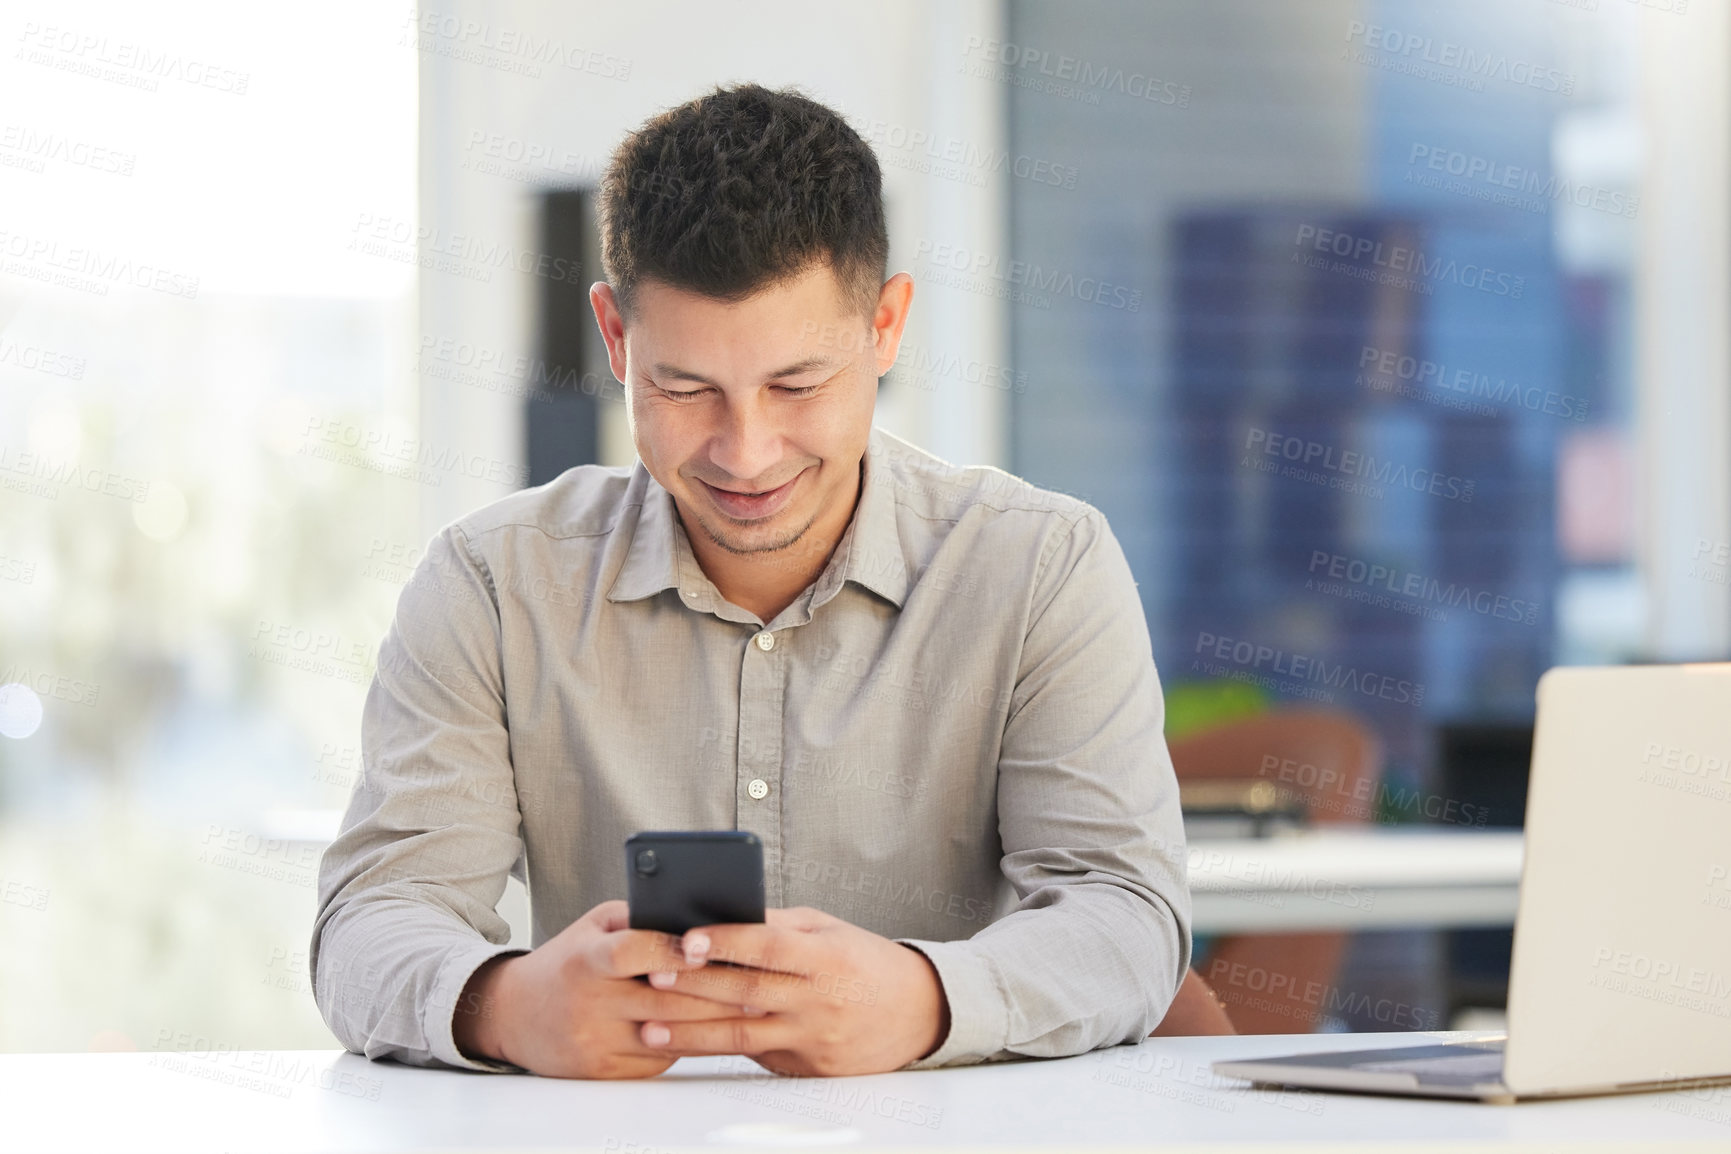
pixel 752 506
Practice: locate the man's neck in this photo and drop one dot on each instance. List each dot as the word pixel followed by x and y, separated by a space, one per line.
pixel 768 582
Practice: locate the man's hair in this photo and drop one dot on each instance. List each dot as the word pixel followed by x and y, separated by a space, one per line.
pixel 739 190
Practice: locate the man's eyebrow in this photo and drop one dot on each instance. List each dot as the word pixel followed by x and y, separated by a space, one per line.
pixel 674 372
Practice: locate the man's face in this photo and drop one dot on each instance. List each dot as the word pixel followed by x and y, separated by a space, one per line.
pixel 754 415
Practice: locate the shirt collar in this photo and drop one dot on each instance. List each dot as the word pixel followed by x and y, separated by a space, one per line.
pixel 651 560
pixel 869 553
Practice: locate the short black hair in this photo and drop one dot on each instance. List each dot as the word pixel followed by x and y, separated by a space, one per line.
pixel 738 190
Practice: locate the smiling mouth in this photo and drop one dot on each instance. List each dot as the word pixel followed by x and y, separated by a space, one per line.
pixel 751 506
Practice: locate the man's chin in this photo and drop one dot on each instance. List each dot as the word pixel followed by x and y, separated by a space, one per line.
pixel 772 536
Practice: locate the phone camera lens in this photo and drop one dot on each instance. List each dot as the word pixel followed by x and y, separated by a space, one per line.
pixel 646 863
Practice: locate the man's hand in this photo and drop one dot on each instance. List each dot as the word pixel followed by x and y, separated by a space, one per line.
pixel 574 1007
pixel 840 999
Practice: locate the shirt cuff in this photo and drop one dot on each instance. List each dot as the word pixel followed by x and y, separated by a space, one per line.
pixel 979 1008
pixel 459 966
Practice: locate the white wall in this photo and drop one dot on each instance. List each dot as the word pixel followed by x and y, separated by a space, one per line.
pixel 1683 334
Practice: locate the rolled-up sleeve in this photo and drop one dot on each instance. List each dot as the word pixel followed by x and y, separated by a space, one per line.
pixel 407 892
pixel 1093 840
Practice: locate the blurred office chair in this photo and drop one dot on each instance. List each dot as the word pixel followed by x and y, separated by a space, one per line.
pixel 1329 764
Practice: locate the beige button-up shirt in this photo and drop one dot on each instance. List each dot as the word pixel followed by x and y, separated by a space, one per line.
pixel 952 738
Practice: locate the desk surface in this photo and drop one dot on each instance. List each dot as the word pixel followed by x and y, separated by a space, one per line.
pixel 1156 1095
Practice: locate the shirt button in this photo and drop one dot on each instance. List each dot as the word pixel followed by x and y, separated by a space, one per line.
pixel 758 789
pixel 766 642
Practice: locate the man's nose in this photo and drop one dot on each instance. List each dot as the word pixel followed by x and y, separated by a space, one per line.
pixel 748 445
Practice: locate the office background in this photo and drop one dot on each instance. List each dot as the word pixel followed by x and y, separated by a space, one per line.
pixel 1390 336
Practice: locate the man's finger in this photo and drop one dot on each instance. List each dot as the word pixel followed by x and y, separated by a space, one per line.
pixel 723 1036
pixel 740 986
pixel 643 1004
pixel 629 953
pixel 799 918
pixel 759 947
pixel 611 915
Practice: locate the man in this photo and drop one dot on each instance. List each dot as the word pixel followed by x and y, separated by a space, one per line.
pixel 927 689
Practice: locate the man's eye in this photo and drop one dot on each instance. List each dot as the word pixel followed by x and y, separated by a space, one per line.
pixel 682 394
pixel 789 390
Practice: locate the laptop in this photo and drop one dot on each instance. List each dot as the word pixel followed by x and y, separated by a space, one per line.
pixel 1621 978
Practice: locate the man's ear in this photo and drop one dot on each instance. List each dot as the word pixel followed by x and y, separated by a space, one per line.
pixel 895 300
pixel 611 322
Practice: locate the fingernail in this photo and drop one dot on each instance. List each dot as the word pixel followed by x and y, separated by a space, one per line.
pixel 696 946
pixel 662 979
pixel 657 1035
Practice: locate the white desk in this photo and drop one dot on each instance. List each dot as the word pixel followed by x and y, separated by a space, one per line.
pixel 1356 879
pixel 1157 1095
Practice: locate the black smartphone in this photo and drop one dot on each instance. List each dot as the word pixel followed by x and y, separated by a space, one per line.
pixel 677 880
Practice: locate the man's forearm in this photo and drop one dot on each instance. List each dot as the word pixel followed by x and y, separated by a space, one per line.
pixel 1097 969
pixel 943 1023
pixel 475 1026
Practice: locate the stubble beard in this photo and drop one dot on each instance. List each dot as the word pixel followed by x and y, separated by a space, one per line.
pixel 732 542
